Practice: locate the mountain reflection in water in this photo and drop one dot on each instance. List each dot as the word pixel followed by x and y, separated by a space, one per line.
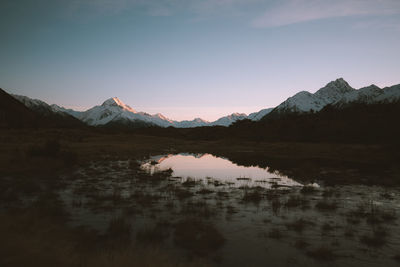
pixel 206 166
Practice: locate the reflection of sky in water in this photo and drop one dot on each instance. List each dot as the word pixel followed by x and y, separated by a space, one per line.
pixel 201 166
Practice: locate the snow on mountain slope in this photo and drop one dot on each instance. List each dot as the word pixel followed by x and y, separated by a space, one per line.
pixel 159 119
pixel 115 102
pixel 305 101
pixel 256 116
pixel 363 95
pixel 29 102
pixel 228 120
pixel 389 94
pixel 333 91
pixel 113 110
pixel 71 112
pixel 338 93
pixel 39 105
pixel 197 122
pixel 302 102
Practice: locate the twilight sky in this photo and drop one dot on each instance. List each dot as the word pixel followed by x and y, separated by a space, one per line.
pixel 193 58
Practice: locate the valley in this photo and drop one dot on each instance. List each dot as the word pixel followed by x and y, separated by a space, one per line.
pixel 91 189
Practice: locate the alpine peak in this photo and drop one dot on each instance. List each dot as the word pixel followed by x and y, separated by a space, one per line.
pixel 340 84
pixel 116 102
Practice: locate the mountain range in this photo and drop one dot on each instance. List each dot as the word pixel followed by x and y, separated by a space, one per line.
pixel 337 93
pixel 113 112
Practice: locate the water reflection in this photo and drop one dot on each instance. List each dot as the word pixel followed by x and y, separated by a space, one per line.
pixel 206 166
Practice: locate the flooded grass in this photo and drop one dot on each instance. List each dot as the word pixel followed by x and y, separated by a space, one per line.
pixel 192 214
pixel 377 238
pixel 322 254
pixel 161 219
pixel 197 236
pixel 275 233
pixel 155 235
pixel 325 205
pixel 299 225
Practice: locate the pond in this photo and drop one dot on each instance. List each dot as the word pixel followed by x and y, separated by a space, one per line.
pixel 276 222
pixel 208 167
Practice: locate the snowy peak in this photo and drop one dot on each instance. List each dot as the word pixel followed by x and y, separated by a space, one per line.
pixel 339 85
pixel 337 93
pixel 200 120
pixel 236 114
pixel 334 90
pixel 116 102
pixel 305 101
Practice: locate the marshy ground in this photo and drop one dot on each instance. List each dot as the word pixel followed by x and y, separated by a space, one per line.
pixel 84 199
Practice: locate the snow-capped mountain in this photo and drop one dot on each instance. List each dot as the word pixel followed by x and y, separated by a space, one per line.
pixel 197 122
pixel 337 93
pixel 59 109
pixel 389 94
pixel 228 120
pixel 46 115
pixel 305 101
pixel 256 116
pixel 41 106
pixel 114 112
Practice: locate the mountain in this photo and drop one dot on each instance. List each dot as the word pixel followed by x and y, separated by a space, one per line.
pixel 256 116
pixel 228 120
pixel 59 109
pixel 305 101
pixel 390 94
pixel 51 114
pixel 336 93
pixel 14 114
pixel 197 122
pixel 23 112
pixel 114 112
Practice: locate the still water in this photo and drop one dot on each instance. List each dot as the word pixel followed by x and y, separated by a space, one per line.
pixel 206 167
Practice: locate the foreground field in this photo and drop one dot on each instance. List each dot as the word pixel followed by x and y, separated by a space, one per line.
pixel 81 198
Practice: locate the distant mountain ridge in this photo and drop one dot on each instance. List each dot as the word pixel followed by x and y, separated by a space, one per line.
pixel 337 93
pixel 113 111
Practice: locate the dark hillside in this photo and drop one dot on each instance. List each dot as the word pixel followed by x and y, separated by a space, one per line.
pixel 357 123
pixel 14 114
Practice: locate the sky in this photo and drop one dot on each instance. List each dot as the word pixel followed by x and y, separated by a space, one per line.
pixel 193 58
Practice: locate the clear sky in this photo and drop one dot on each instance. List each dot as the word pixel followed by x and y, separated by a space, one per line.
pixel 193 58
